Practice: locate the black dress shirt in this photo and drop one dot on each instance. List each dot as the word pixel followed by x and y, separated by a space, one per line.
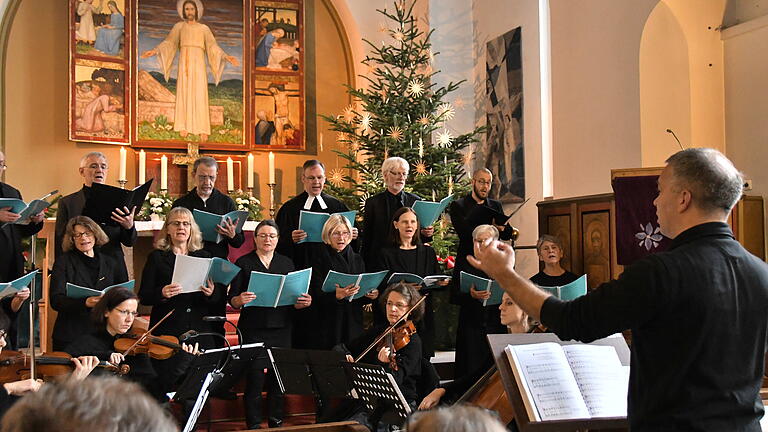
pixel 11 258
pixel 545 280
pixel 699 319
pixel 377 222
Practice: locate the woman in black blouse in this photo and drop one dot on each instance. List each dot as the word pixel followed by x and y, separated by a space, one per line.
pixel 409 255
pixel 263 324
pixel 550 250
pixel 339 320
pixel 81 264
pixel 179 236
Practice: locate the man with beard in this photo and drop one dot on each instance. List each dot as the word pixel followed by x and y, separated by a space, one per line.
pixel 475 320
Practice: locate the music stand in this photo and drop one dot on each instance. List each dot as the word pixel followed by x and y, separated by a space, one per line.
pixel 380 393
pixel 242 357
pixel 310 372
pixel 202 397
pixel 499 341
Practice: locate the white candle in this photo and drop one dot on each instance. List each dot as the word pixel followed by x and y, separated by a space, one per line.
pixel 421 148
pixel 142 167
pixel 433 195
pixel 271 168
pixel 164 172
pixel 250 170
pixel 321 141
pixel 450 184
pixel 121 175
pixel 230 174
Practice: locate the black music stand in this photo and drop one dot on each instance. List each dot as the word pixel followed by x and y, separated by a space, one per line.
pixel 499 341
pixel 380 393
pixel 202 397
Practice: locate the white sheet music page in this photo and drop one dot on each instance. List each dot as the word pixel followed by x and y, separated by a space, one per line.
pixel 548 381
pixel 601 378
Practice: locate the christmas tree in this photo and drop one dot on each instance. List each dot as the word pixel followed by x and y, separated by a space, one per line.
pixel 401 113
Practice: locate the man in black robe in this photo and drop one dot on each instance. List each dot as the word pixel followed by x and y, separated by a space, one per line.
pixel 93 169
pixel 475 320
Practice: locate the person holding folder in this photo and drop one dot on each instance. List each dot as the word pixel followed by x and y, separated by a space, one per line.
pixel 179 236
pixel 82 263
pixel 94 169
pixel 410 255
pixel 335 317
pixel 272 326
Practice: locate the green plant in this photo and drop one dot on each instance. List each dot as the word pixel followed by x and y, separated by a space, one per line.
pixel 245 202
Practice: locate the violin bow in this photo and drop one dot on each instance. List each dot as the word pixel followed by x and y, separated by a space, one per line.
pixel 391 327
pixel 147 334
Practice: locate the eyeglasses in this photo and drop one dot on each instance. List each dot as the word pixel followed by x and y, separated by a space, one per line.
pixel 126 312
pixel 185 224
pixel 399 174
pixel 264 236
pixel 397 305
pixel 313 179
pixel 341 234
pixel 483 182
pixel 95 166
pixel 78 235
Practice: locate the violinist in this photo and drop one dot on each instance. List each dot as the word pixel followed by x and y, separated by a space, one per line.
pixel 263 324
pixel 410 255
pixel 339 319
pixel 84 264
pixel 180 235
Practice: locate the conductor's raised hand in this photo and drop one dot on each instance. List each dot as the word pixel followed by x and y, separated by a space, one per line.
pixel 6 215
pixel 124 217
pixel 207 289
pixel 171 290
pixel 493 257
pixel 298 235
pixel 304 301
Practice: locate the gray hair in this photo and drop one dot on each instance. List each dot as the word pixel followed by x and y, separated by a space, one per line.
pixel 206 161
pixel 390 163
pixel 457 418
pixel 482 229
pixel 84 159
pixel 548 238
pixel 96 403
pixel 715 184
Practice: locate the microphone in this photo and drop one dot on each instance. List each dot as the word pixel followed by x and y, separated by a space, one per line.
pixel 190 334
pixel 670 131
pixel 214 318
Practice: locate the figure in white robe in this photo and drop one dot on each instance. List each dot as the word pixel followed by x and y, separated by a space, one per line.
pixel 86 30
pixel 194 42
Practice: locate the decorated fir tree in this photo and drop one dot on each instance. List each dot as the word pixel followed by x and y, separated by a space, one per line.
pixel 401 113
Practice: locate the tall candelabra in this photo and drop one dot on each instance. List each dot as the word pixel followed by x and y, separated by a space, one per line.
pixel 271 199
pixel 122 183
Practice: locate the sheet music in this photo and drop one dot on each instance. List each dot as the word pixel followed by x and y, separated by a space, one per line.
pixel 190 272
pixel 602 380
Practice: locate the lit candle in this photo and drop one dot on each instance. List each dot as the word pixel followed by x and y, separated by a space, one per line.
pixel 421 148
pixel 271 168
pixel 164 172
pixel 433 195
pixel 321 141
pixel 142 167
pixel 230 174
pixel 250 170
pixel 121 175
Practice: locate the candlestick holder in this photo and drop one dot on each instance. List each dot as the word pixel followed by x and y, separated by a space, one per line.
pixel 229 191
pixel 250 190
pixel 163 191
pixel 271 199
pixel 122 183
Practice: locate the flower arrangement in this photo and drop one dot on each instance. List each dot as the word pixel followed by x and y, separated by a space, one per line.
pixel 155 204
pixel 245 202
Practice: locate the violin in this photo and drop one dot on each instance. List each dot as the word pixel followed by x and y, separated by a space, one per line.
pixel 15 366
pixel 396 340
pixel 137 341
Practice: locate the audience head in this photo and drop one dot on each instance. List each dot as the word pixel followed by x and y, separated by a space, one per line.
pixel 93 168
pixel 397 299
pixel 337 232
pixel 395 172
pixel 116 310
pixel 550 249
pixel 96 404
pixel 405 225
pixel 206 169
pixel 457 418
pixel 697 185
pixel 313 177
pixel 266 235
pixel 180 228
pixel 83 234
pixel 512 316
pixel 481 183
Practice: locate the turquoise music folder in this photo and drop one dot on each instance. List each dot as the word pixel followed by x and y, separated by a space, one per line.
pixel 278 290
pixel 571 291
pixel 8 289
pixel 222 271
pixel 366 281
pixel 78 292
pixel 482 284
pixel 429 211
pixel 209 221
pixel 25 211
pixel 312 224
pixel 426 281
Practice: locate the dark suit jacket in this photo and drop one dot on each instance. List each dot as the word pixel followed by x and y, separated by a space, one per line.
pixel 377 222
pixel 12 235
pixel 71 206
pixel 74 317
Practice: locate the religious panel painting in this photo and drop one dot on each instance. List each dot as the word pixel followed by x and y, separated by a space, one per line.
pixel 278 75
pixel 502 149
pixel 596 247
pixel 99 49
pixel 189 70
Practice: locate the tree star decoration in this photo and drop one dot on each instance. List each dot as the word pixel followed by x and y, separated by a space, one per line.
pixel 365 124
pixel 363 198
pixel 354 145
pixel 445 112
pixel 648 236
pixel 396 133
pixel 349 114
pixel 415 88
pixel 421 168
pixel 383 27
pixel 335 177
pixel 444 138
pixel 424 120
pixel 398 35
